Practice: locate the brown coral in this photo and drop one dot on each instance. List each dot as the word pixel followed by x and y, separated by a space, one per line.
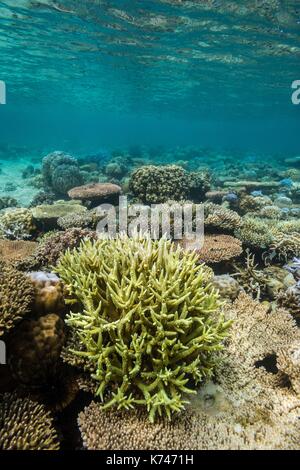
pixel 25 425
pixel 252 405
pixel 16 297
pixel 49 296
pixel 50 250
pixel 15 250
pixel 35 349
pixel 218 248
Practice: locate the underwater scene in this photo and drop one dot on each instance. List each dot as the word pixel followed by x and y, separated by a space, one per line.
pixel 149 225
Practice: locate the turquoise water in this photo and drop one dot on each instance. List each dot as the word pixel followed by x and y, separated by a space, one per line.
pixel 88 74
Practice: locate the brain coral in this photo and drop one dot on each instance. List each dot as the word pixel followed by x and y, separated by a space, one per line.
pixel 148 318
pixel 25 425
pixel 16 297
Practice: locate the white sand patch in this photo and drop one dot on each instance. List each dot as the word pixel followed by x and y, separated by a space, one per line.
pixel 11 172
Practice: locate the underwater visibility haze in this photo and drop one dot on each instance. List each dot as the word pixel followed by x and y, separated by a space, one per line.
pixel 136 343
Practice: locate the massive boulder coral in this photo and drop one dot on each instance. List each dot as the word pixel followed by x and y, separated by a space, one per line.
pixel 157 184
pixel 49 296
pixel 146 315
pixel 35 349
pixel 25 425
pixel 61 172
pixel 17 295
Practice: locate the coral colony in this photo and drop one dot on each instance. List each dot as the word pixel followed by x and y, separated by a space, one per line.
pixel 150 266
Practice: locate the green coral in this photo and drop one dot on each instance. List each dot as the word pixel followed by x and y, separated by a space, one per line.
pixel 148 319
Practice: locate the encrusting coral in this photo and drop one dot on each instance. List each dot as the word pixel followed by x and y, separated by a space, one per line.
pixel 17 295
pixel 25 425
pixel 148 319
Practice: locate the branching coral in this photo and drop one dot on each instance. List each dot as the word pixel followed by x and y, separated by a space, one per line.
pixel 253 403
pixel 50 249
pixel 17 224
pixel 16 297
pixel 25 425
pixel 221 218
pixel 254 281
pixel 148 319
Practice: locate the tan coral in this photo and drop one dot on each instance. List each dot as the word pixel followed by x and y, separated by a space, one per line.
pixel 218 248
pixel 35 349
pixel 16 250
pixel 25 425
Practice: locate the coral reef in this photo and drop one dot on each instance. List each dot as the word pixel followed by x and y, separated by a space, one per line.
pixel 25 425
pixel 16 297
pixel 148 319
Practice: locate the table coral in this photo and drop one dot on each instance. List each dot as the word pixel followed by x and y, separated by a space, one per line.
pixel 147 318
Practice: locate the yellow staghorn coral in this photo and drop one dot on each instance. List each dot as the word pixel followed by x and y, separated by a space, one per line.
pixel 147 320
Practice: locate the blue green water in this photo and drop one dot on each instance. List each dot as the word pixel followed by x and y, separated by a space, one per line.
pixel 90 74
